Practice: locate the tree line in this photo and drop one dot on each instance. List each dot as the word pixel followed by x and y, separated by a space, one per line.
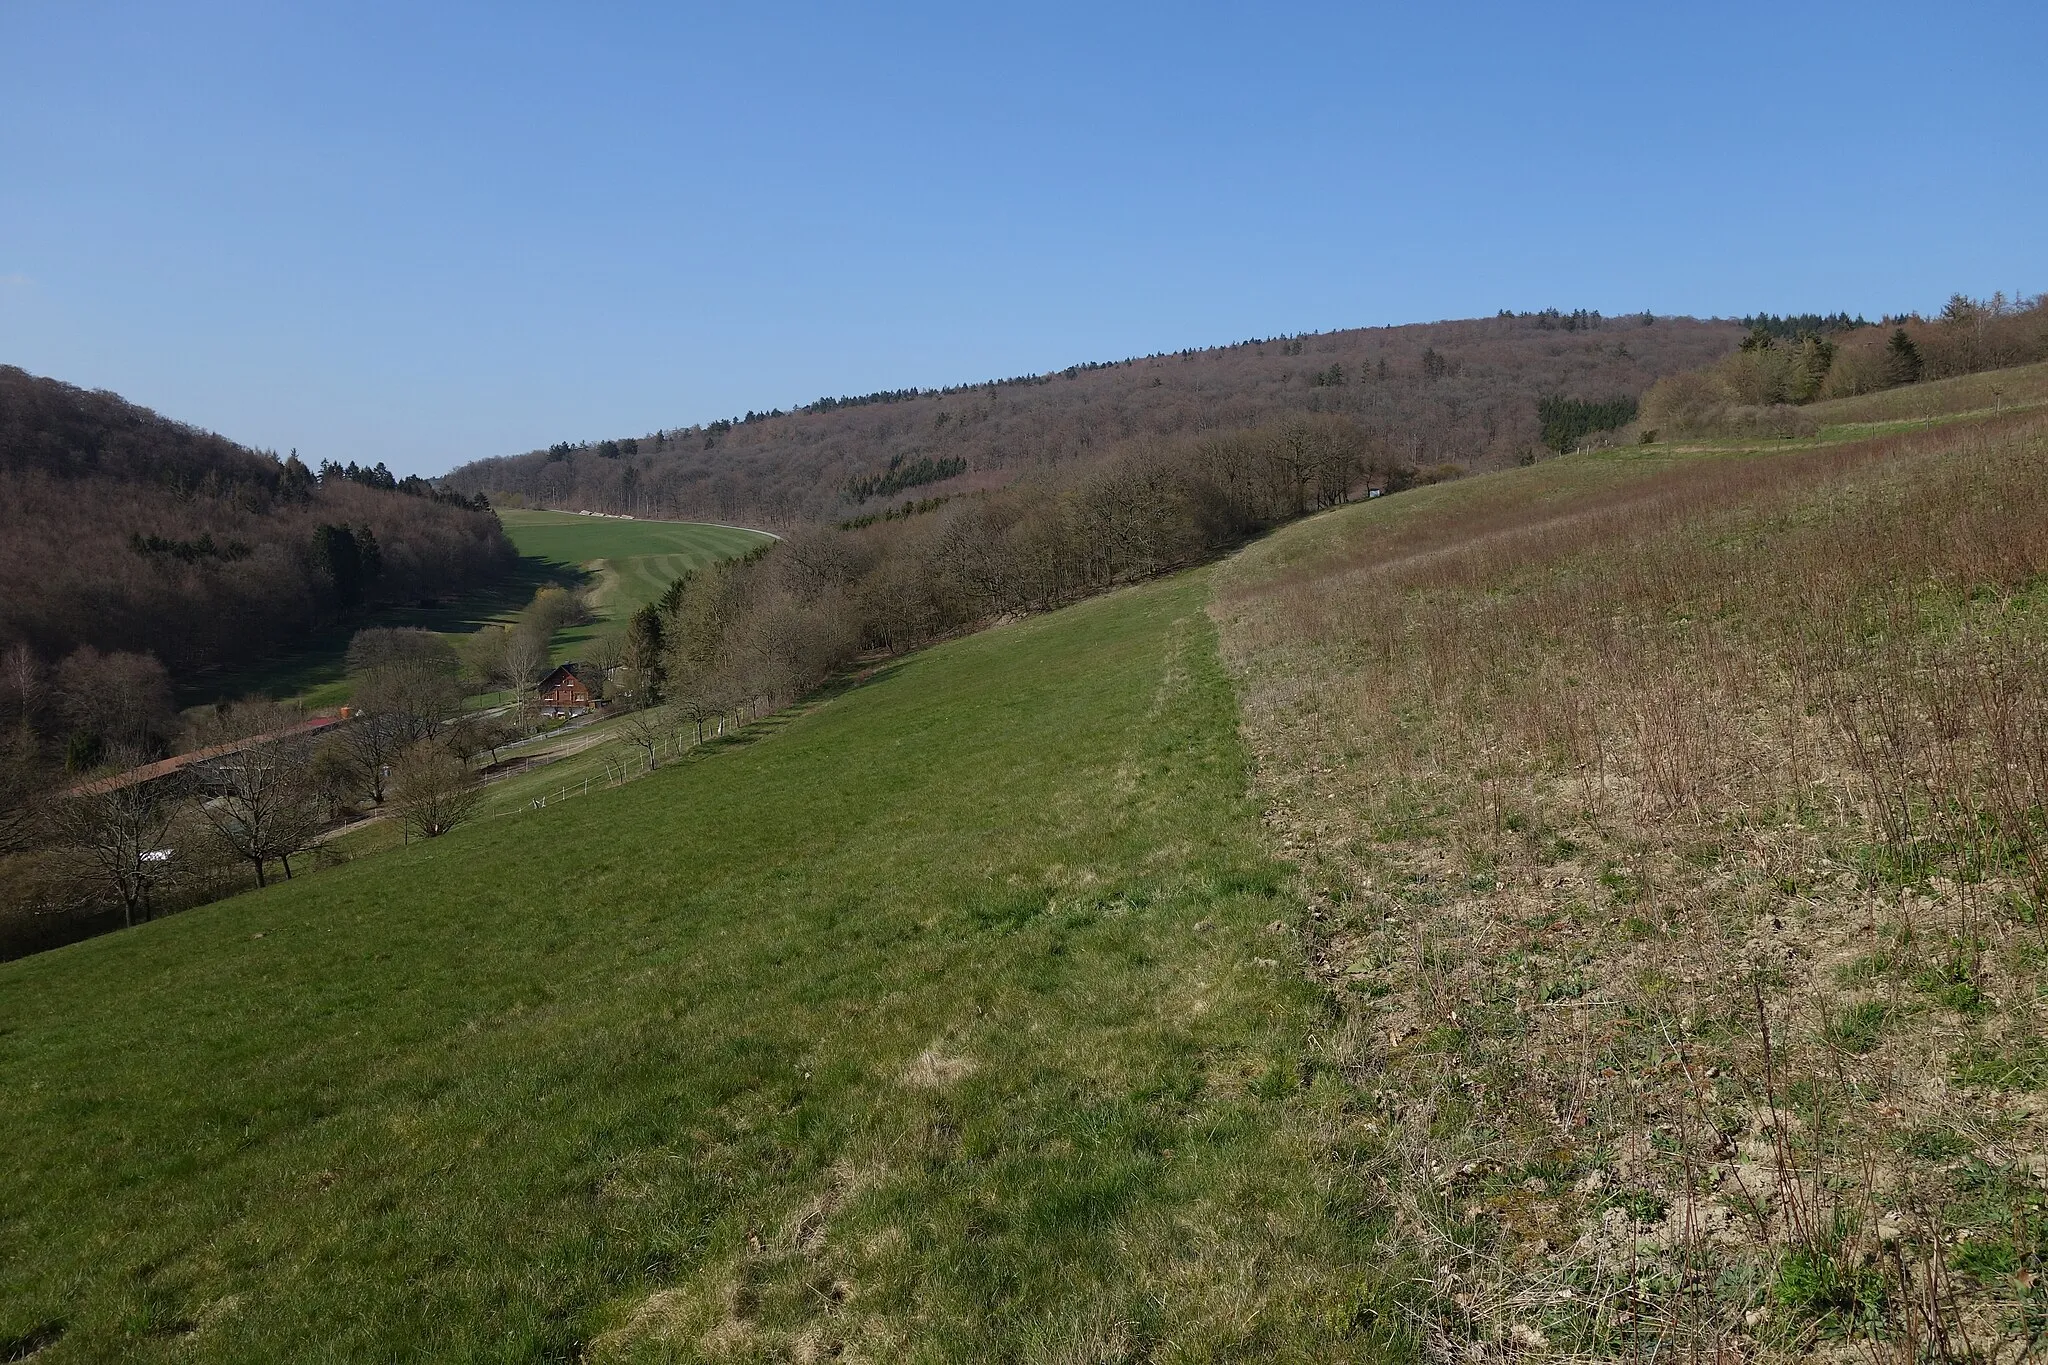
pixel 1760 386
pixel 745 634
pixel 1440 392
pixel 377 476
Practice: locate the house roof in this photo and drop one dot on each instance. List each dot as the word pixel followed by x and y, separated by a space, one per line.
pixel 584 673
pixel 150 772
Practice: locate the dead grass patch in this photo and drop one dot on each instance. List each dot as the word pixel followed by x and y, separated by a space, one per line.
pixel 1676 847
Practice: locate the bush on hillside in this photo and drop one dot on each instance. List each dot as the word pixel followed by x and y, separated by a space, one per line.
pixel 1742 394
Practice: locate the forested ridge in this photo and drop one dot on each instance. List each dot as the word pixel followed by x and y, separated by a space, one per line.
pixel 1427 394
pixel 123 531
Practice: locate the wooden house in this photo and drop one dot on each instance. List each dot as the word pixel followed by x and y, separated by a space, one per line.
pixel 571 688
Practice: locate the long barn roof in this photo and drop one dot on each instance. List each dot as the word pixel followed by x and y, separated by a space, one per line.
pixel 150 772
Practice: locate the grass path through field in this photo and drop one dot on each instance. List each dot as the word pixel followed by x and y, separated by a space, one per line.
pixel 960 1018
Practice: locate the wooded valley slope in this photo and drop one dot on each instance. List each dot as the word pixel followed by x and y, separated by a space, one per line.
pixel 1461 392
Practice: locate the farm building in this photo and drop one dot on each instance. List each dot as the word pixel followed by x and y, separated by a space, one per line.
pixel 571 688
pixel 150 772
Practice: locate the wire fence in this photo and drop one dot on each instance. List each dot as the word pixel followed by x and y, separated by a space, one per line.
pixel 637 763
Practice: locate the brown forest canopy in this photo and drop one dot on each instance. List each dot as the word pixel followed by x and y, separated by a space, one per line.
pixel 1428 394
pixel 125 531
pixel 756 631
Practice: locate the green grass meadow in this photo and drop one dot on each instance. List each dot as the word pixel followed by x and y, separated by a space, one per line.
pixel 626 564
pixel 948 1021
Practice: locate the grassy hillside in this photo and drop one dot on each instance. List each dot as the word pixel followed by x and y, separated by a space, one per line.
pixel 626 563
pixel 1666 930
pixel 947 1023
pixel 1965 395
pixel 1672 823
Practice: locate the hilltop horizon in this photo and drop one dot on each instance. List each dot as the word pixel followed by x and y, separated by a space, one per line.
pixel 377 236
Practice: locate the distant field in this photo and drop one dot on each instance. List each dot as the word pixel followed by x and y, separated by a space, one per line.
pixel 623 563
pixel 566 538
pixel 627 563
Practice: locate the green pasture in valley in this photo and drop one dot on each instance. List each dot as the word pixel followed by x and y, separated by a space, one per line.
pixel 620 564
pixel 960 1017
pixel 624 564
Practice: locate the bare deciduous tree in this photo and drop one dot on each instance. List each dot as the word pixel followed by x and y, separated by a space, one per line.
pixel 335 775
pixel 433 790
pixel 120 699
pixel 266 807
pixel 479 734
pixel 526 661
pixel 647 729
pixel 407 689
pixel 119 832
pixel 26 681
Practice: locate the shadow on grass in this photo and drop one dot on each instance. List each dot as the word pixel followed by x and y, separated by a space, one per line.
pixel 320 660
pixel 754 731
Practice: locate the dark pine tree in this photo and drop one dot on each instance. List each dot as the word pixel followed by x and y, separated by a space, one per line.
pixel 1902 363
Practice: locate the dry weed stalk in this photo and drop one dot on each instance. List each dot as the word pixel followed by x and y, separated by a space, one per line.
pixel 1707 810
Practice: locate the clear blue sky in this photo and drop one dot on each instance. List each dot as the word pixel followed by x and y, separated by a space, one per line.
pixel 423 233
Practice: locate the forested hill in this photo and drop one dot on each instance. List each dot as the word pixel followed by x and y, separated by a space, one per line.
pixel 1433 393
pixel 122 530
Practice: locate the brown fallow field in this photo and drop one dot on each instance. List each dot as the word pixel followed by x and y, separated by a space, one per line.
pixel 1672 827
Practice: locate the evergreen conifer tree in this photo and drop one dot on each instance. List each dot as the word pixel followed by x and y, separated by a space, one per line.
pixel 1902 359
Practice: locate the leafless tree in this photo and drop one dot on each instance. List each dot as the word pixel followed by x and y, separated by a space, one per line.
pixel 122 699
pixel 433 790
pixel 335 775
pixel 486 733
pixel 525 661
pixel 371 743
pixel 607 651
pixel 266 807
pixel 26 679
pixel 407 688
pixel 646 729
pixel 120 834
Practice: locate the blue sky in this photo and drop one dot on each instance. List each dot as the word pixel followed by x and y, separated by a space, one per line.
pixel 426 233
